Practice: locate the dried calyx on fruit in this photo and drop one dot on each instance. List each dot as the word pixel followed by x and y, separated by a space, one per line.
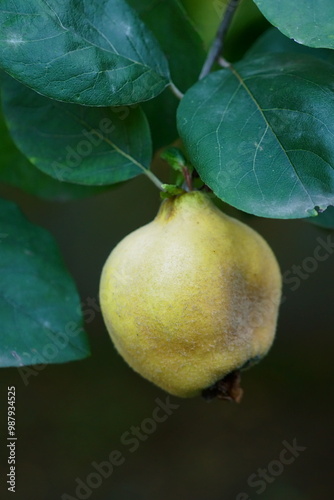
pixel 192 298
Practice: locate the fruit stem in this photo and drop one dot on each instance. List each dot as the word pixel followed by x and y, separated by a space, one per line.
pixel 218 43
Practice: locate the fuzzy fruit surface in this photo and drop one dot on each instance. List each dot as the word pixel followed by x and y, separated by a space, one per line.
pixel 191 296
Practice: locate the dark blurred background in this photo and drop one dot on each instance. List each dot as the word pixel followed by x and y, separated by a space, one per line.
pixel 71 415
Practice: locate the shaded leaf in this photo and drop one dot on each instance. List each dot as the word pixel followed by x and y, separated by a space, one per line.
pixel 92 53
pixel 261 134
pixel 177 36
pixel 17 171
pixel 77 144
pixel 41 321
pixel 161 115
pixel 185 53
pixel 273 41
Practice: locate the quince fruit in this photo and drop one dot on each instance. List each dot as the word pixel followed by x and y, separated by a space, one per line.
pixel 192 298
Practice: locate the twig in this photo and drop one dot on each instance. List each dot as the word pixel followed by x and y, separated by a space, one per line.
pixel 218 42
pixel 176 91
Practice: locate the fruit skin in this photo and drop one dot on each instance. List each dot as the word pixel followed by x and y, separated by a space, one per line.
pixel 191 296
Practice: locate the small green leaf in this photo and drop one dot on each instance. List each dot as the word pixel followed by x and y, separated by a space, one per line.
pixel 175 158
pixel 41 321
pixel 308 22
pixel 170 190
pixel 77 144
pixel 268 145
pixel 92 53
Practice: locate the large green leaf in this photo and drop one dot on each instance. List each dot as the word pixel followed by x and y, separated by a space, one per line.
pixel 94 53
pixel 40 313
pixel 77 144
pixel 308 22
pixel 261 134
pixel 17 171
pixel 273 41
pixel 177 36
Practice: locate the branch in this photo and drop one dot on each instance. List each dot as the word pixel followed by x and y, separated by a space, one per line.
pixel 218 42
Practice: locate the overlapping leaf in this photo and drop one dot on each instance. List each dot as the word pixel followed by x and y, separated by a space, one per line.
pixel 93 53
pixel 261 134
pixel 17 171
pixel 40 313
pixel 77 144
pixel 273 41
pixel 307 21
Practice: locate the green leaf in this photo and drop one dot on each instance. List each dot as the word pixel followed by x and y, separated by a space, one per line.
pixel 175 158
pixel 41 321
pixel 325 219
pixel 17 171
pixel 261 134
pixel 93 53
pixel 170 190
pixel 273 41
pixel 77 144
pixel 308 22
pixel 178 38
